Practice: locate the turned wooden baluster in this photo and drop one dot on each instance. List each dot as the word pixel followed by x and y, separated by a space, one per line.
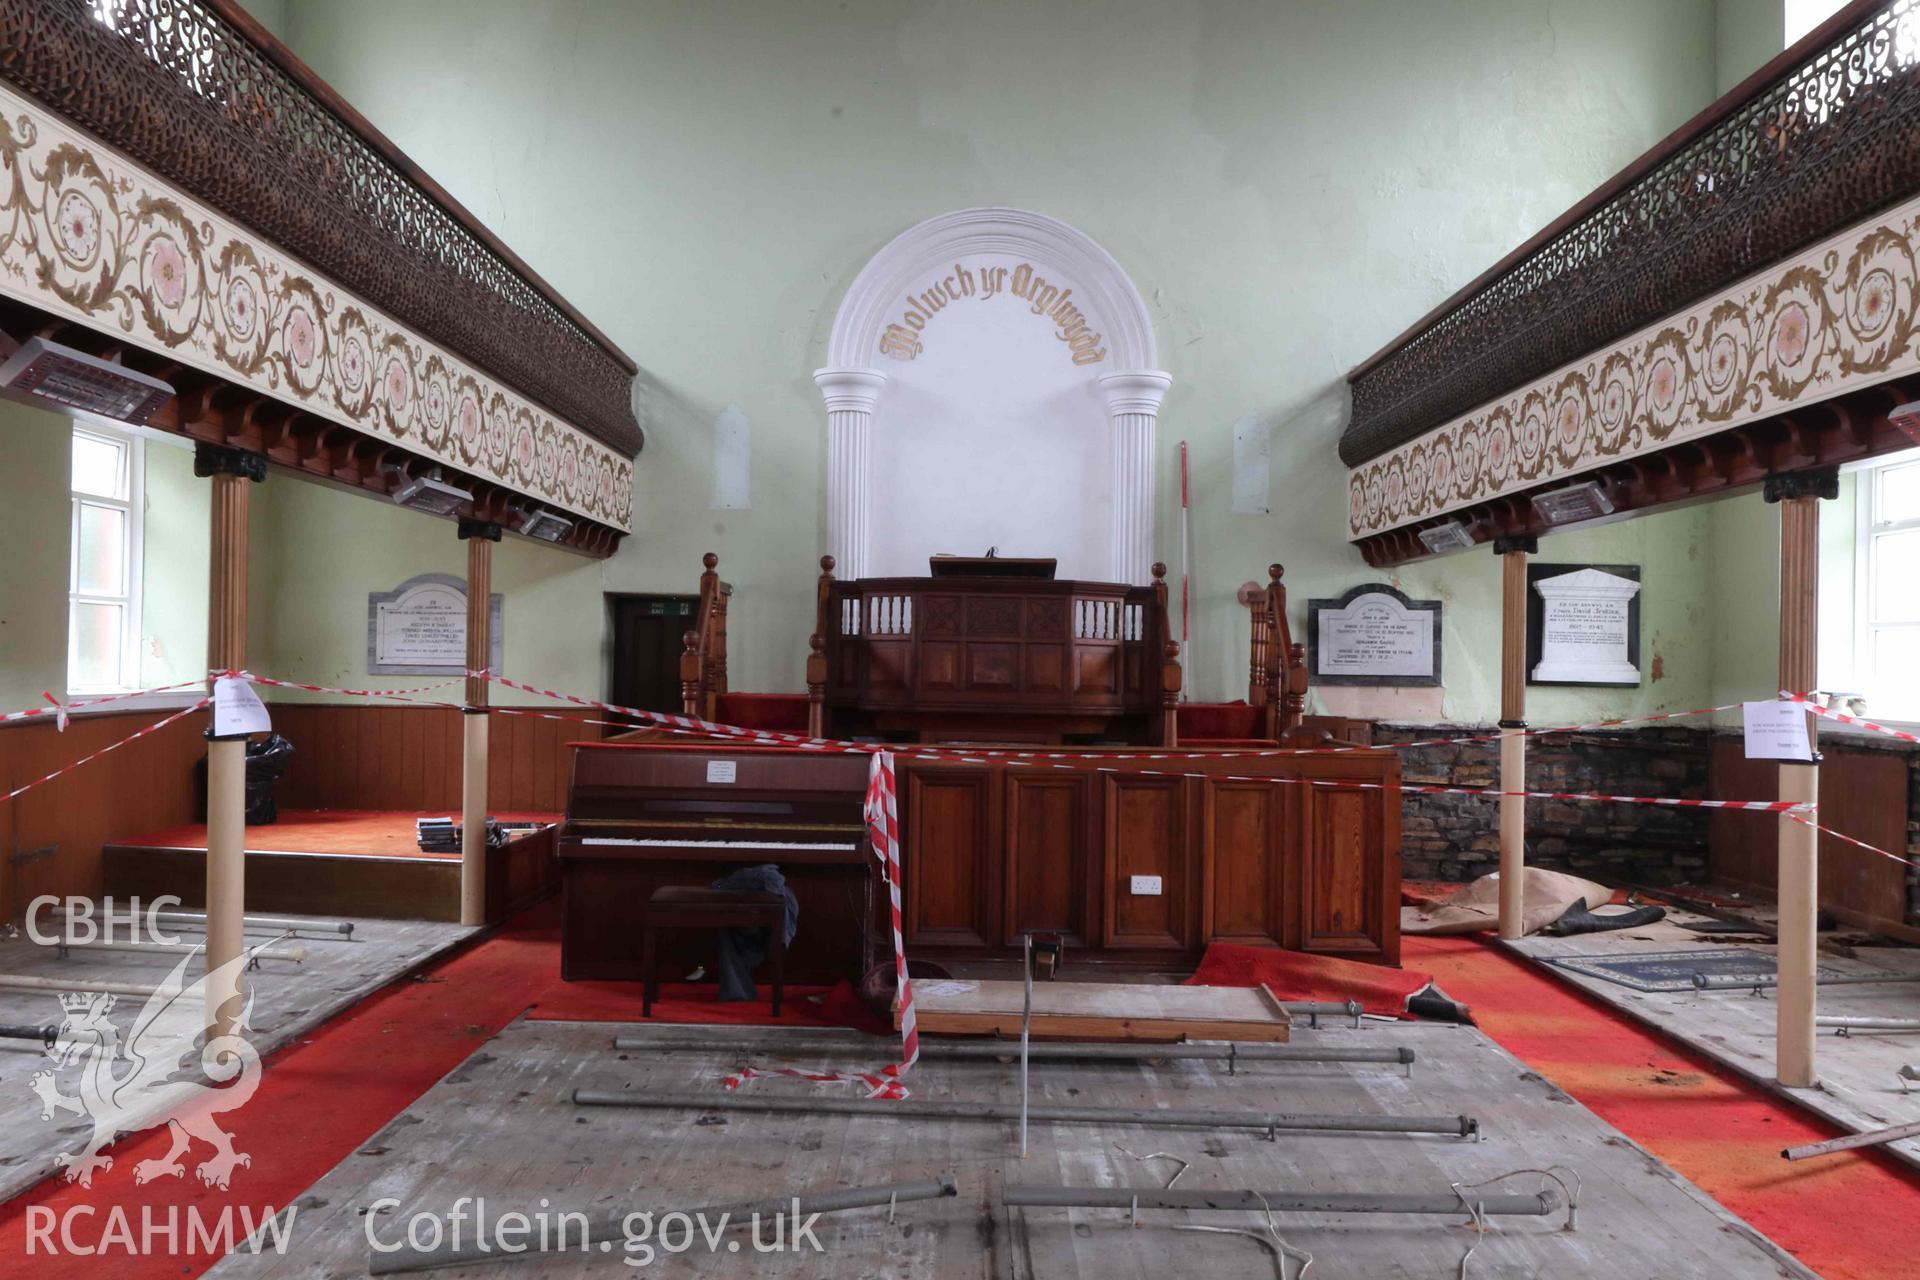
pixel 1159 628
pixel 717 648
pixel 1293 706
pixel 1279 642
pixel 692 702
pixel 823 626
pixel 1257 658
pixel 1170 694
pixel 823 599
pixel 817 686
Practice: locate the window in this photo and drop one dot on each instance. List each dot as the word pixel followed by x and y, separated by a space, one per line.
pixel 1886 603
pixel 103 587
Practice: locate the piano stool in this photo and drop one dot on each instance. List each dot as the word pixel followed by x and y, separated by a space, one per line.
pixel 683 907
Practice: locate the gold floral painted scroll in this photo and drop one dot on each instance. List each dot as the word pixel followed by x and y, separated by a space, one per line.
pixel 1832 319
pixel 87 234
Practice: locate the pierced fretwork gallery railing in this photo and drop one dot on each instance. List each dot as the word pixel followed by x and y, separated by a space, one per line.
pixel 1821 137
pixel 198 91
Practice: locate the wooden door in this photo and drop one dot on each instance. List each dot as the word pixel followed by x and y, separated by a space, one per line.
pixel 647 643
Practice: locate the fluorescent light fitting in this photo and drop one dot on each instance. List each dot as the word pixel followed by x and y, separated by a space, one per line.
pixel 1577 502
pixel 544 525
pixel 1451 536
pixel 75 380
pixel 1907 418
pixel 432 495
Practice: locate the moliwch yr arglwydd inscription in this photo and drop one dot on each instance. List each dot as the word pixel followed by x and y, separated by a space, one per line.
pixel 1052 302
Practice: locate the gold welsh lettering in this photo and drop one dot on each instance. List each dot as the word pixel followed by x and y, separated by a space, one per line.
pixel 1046 299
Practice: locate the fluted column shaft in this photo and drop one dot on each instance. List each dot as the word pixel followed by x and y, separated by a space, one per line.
pixel 851 395
pixel 1133 410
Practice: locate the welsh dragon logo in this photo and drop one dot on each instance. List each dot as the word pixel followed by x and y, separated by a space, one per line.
pixel 147 1079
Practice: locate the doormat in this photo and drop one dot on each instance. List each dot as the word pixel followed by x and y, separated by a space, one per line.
pixel 1674 970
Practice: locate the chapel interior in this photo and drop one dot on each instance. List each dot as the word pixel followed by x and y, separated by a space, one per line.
pixel 1050 639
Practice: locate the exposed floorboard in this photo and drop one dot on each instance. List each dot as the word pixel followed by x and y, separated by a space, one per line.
pixel 290 1000
pixel 503 1126
pixel 1859 1088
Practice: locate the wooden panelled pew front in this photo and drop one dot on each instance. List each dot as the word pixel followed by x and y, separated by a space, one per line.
pixel 1249 852
pixel 1244 849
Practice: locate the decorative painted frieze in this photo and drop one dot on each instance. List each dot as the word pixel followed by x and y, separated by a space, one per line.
pixel 1834 318
pixel 87 234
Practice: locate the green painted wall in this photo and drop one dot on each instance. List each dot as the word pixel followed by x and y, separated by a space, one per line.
pixel 319 551
pixel 37 447
pixel 178 530
pixel 1746 34
pixel 1289 184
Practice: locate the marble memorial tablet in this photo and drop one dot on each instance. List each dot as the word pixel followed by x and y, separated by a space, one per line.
pixel 420 628
pixel 1373 635
pixel 1586 630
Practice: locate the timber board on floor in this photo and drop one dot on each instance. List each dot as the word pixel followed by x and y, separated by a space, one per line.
pixel 289 1000
pixel 502 1126
pixel 1859 1088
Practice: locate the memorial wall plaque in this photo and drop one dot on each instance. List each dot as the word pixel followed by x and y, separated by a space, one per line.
pixel 1373 635
pixel 1583 624
pixel 420 628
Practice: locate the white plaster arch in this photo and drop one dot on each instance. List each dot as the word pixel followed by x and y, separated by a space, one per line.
pixel 855 381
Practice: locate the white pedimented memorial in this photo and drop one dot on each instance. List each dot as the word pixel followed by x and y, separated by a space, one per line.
pixel 1586 629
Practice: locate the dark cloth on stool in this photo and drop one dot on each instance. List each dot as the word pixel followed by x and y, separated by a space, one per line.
pixel 738 952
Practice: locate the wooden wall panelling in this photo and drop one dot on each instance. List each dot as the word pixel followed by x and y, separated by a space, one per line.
pixel 952 826
pixel 1743 849
pixel 144 786
pixel 361 756
pixel 1340 893
pixel 1052 875
pixel 1863 793
pixel 1245 894
pixel 1148 832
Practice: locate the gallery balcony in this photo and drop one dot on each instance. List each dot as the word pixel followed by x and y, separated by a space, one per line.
pixel 1669 335
pixel 189 200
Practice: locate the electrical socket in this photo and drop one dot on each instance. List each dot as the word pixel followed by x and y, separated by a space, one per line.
pixel 1147 886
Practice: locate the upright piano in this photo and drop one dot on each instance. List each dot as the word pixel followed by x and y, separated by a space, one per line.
pixel 643 813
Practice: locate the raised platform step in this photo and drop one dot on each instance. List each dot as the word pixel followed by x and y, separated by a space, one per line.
pixel 336 863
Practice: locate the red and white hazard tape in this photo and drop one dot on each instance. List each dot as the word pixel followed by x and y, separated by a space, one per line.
pixel 882 811
pixel 155 727
pixel 1830 714
pixel 1841 835
pixel 403 694
pixel 61 710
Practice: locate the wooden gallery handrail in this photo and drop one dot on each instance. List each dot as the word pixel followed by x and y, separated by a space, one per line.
pixel 1277 671
pixel 703 659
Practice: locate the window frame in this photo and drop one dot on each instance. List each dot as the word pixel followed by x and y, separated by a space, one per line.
pixel 132 502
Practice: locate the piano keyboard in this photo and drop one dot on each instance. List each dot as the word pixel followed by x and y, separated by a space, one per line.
pixel 848 847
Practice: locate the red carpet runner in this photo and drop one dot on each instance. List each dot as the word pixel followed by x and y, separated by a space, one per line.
pixel 1849 1218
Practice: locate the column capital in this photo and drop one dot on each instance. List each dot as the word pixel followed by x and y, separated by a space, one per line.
pixel 857 389
pixel 1139 391
pixel 1786 486
pixel 219 460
